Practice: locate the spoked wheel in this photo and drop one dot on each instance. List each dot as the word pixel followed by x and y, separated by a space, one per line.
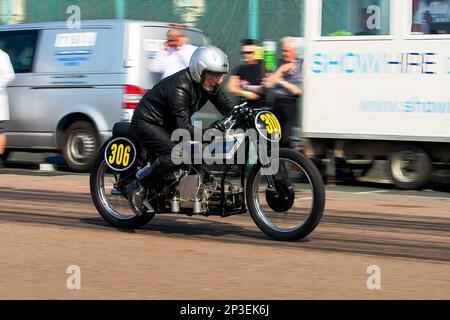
pixel 286 204
pixel 112 204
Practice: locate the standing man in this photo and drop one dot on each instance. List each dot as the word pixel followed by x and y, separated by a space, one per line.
pixel 6 76
pixel 286 84
pixel 176 54
pixel 246 78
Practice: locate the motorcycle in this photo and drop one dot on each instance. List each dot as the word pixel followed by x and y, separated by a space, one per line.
pixel 286 204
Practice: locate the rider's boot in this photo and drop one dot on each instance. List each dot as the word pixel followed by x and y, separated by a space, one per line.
pixel 146 178
pixel 137 194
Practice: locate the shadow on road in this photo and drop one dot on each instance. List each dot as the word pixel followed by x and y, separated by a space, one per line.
pixel 373 233
pixel 184 226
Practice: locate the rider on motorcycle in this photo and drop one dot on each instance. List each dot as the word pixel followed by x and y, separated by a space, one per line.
pixel 170 104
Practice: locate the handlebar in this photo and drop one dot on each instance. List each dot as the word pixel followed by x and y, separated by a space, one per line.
pixel 239 111
pixel 241 105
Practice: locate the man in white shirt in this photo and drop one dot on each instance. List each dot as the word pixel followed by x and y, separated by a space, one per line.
pixel 176 54
pixel 6 76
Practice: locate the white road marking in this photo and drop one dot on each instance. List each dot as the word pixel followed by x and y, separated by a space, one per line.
pixel 367 192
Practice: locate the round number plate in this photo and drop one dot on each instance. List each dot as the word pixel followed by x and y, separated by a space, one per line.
pixel 268 126
pixel 120 154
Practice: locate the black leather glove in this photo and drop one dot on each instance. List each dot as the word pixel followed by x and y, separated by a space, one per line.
pixel 219 125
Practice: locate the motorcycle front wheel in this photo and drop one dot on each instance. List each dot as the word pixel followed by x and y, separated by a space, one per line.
pixel 113 204
pixel 287 200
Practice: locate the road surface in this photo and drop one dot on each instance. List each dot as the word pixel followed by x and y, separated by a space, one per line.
pixel 48 223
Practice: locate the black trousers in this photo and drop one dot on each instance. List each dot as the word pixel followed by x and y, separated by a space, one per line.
pixel 286 110
pixel 156 140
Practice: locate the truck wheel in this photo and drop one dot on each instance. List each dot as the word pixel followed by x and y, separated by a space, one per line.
pixel 80 141
pixel 409 167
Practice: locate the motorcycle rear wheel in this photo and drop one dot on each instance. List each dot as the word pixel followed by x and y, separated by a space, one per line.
pixel 115 209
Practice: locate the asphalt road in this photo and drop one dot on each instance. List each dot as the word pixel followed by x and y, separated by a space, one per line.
pixel 48 223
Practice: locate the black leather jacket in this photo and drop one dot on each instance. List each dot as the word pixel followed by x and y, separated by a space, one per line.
pixel 172 102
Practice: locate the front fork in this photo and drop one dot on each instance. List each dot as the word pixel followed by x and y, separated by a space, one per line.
pixel 265 162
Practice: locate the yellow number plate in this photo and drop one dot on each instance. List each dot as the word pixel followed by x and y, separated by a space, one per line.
pixel 120 154
pixel 268 125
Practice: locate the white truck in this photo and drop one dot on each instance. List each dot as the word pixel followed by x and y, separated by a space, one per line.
pixel 377 89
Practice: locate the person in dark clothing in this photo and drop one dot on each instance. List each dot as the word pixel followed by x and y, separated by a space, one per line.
pixel 286 85
pixel 170 104
pixel 246 78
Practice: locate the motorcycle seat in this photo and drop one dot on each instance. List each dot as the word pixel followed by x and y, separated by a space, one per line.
pixel 122 129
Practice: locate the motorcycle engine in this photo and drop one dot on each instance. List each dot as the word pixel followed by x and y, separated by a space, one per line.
pixel 191 194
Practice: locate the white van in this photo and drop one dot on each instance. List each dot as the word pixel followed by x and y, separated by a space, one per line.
pixel 377 79
pixel 72 85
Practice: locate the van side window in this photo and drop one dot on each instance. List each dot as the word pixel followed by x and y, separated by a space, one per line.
pixel 20 46
pixel 355 17
pixel 430 17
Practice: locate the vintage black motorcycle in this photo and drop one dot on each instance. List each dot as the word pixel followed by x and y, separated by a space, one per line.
pixel 286 203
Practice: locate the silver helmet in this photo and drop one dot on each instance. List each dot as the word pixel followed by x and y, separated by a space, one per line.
pixel 208 58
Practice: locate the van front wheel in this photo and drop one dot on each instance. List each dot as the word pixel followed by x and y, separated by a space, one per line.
pixel 80 142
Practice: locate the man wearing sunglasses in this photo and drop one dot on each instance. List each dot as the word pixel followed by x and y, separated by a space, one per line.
pixel 247 77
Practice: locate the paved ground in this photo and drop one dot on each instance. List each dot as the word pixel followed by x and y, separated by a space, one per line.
pixel 48 222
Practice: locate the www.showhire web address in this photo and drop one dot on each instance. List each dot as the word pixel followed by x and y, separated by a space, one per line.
pixel 406 106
